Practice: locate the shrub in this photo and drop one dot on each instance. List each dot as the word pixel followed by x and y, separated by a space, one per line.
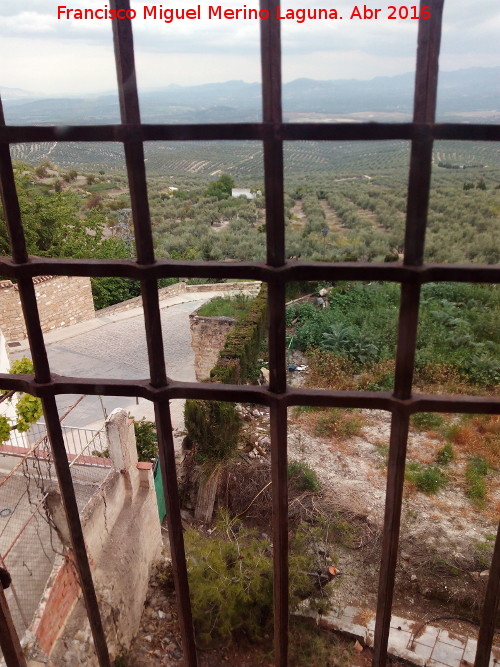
pixel 329 371
pixel 426 421
pixel 234 306
pixel 303 476
pixel 475 473
pixel 213 427
pixel 300 312
pixel 341 423
pixel 445 454
pixel 146 439
pixel 378 377
pixel 350 342
pixel 237 360
pixel 428 479
pixel 231 580
pixel 477 435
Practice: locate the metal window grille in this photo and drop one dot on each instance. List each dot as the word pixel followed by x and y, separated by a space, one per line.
pixel 276 272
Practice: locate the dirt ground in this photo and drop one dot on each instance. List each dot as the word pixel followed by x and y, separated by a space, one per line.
pixel 446 541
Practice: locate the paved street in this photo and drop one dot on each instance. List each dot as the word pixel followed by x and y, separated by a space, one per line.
pixel 115 347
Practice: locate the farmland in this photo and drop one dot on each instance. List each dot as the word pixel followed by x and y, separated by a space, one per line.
pixel 344 200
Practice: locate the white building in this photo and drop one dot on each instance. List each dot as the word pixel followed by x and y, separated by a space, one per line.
pixel 242 192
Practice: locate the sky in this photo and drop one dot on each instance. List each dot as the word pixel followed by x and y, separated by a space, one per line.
pixel 43 54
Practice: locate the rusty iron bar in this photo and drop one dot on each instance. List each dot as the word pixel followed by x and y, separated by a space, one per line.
pixel 136 171
pixel 9 640
pixel 490 609
pixel 426 78
pixel 42 374
pixel 134 158
pixel 373 131
pixel 292 270
pixel 373 400
pixel 63 472
pixel 422 131
pixel 270 40
pixel 175 530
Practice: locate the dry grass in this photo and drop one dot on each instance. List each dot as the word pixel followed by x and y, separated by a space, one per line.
pixel 478 436
pixel 328 371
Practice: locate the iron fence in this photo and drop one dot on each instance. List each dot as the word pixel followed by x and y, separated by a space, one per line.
pixel 76 440
pixel 276 271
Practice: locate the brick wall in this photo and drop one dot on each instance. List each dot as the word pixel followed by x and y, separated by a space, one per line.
pixel 62 301
pixel 62 597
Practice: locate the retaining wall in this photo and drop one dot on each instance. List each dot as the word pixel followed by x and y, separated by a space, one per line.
pixel 62 301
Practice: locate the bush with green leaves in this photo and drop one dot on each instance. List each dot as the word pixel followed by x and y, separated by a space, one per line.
pixel 458 336
pixel 475 479
pixel 303 476
pixel 146 440
pixel 213 428
pixel 426 421
pixel 428 479
pixel 28 408
pixel 231 579
pixel 445 454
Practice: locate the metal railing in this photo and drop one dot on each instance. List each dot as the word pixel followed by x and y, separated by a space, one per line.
pixel 276 271
pixel 76 441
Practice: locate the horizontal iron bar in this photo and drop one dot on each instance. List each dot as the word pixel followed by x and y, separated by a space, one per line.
pixel 372 131
pixel 291 271
pixel 251 394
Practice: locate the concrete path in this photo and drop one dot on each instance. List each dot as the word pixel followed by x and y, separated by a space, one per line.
pixel 114 346
pixel 418 643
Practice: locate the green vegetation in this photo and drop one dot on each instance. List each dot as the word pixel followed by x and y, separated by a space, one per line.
pixel 458 340
pixel 445 454
pixel 237 360
pixel 340 423
pixel 221 188
pixel 426 421
pixel 303 476
pixel 28 408
pixel 475 474
pixel 146 439
pixel 428 479
pixel 213 427
pixel 234 306
pixel 231 580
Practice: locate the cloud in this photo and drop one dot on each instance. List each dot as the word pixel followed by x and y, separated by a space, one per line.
pixel 44 52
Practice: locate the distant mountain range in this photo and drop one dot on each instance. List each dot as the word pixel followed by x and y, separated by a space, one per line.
pixel 462 92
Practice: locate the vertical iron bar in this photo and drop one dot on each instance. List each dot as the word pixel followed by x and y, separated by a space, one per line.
pixel 9 641
pixel 134 157
pixel 390 539
pixel 424 113
pixel 136 171
pixel 275 236
pixel 490 609
pixel 279 479
pixel 75 528
pixel 174 522
pixel 42 375
pixel 429 39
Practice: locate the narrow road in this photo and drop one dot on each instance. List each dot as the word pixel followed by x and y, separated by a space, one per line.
pixel 118 350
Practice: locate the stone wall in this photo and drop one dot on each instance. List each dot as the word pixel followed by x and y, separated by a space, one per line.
pixel 123 539
pixel 208 335
pixel 62 301
pixel 250 287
